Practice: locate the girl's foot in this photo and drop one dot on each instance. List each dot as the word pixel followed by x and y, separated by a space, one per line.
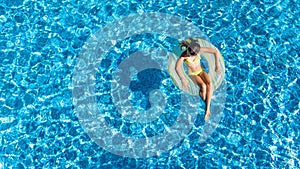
pixel 207 114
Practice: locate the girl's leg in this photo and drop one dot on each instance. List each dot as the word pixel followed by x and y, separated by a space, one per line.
pixel 201 83
pixel 209 92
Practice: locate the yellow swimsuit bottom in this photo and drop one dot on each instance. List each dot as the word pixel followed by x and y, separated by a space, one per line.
pixel 199 72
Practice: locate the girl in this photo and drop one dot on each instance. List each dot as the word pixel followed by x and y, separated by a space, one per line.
pixel 191 56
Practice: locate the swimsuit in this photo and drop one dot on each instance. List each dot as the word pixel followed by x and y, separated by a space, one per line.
pixel 199 72
pixel 197 59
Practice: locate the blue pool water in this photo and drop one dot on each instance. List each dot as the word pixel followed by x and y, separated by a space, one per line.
pixel 40 42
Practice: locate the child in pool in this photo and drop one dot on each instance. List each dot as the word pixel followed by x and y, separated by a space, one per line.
pixel 191 56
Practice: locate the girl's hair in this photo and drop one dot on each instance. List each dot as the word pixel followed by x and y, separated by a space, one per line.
pixel 192 47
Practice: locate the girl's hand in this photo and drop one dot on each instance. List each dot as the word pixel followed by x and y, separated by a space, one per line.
pixel 218 69
pixel 185 84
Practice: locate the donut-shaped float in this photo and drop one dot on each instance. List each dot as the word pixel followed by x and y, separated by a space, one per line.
pixel 193 88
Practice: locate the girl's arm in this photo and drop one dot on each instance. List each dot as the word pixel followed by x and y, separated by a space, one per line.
pixel 184 82
pixel 177 68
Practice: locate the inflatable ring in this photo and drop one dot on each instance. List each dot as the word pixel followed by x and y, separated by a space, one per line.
pixel 193 88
